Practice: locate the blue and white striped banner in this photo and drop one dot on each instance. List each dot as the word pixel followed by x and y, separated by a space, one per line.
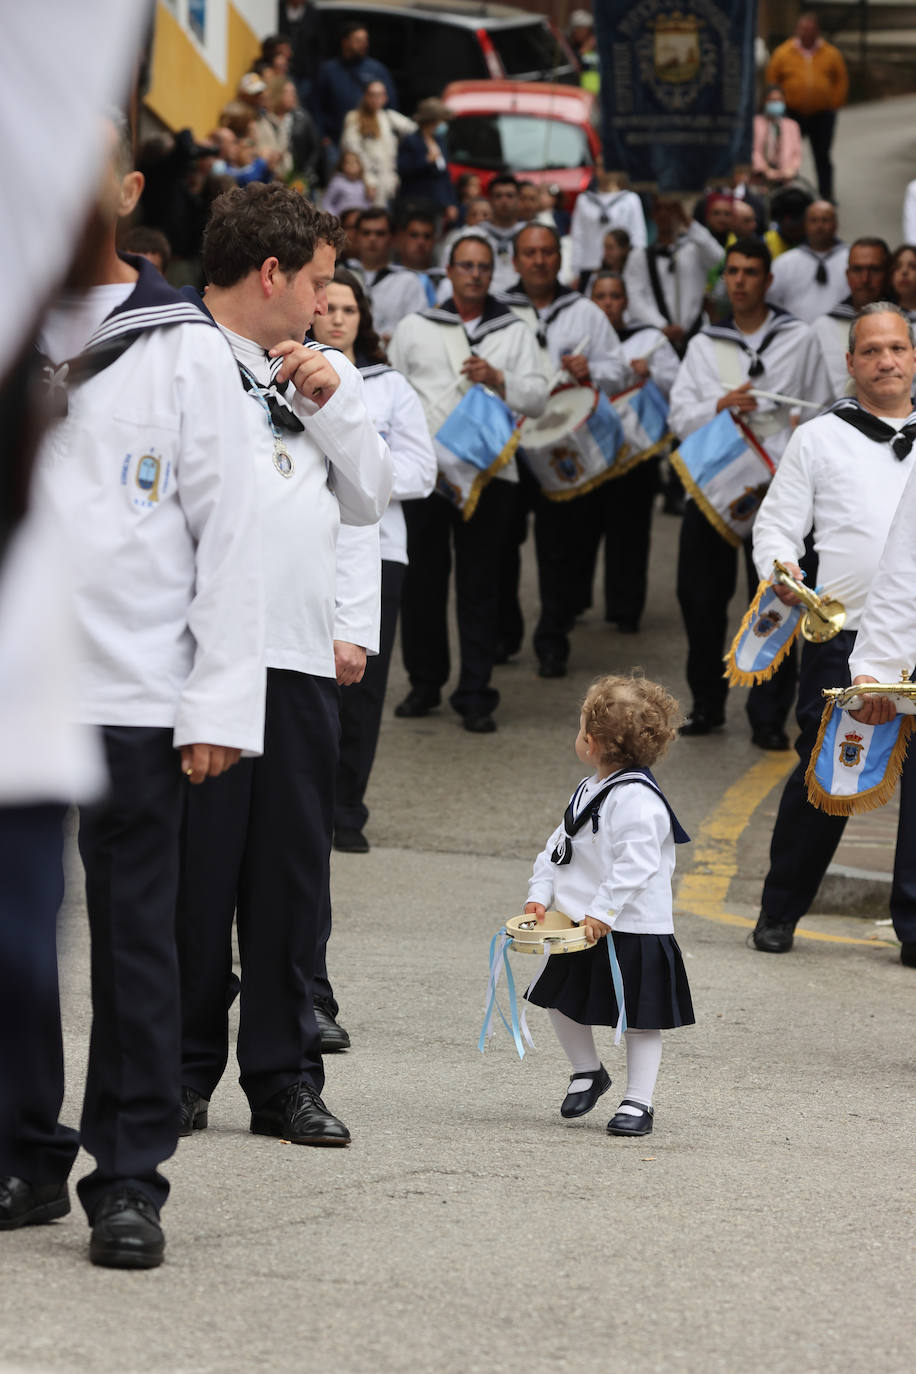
pixel 643 413
pixel 767 633
pixel 727 472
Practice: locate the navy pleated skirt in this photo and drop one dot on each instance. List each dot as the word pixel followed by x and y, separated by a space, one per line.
pixel 655 985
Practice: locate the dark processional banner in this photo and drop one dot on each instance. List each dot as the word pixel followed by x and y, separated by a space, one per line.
pixel 677 89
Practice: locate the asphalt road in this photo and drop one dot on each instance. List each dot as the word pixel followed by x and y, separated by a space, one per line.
pixel 766 1225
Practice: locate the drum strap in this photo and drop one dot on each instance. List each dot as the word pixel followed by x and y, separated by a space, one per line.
pixel 573 822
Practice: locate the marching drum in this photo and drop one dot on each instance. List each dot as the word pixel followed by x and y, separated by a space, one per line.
pixel 556 934
pixel 575 443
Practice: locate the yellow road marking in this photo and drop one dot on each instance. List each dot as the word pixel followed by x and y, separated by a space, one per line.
pixel 704 890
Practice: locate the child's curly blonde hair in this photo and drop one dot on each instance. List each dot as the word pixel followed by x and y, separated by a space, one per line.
pixel 631 720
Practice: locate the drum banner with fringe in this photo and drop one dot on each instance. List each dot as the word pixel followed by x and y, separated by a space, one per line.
pixel 727 471
pixel 576 444
pixel 855 767
pixel 477 439
pixel 643 413
pixel 767 633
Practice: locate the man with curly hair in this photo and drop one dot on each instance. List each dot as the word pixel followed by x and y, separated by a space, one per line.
pixel 260 847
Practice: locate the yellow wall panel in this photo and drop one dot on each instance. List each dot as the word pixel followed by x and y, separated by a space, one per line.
pixel 184 91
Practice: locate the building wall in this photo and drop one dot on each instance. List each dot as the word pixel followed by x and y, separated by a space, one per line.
pixel 195 67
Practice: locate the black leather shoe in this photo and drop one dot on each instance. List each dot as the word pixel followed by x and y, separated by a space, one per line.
pixel 701 723
pixel 350 841
pixel 777 740
pixel 419 701
pixel 624 1124
pixel 333 1036
pixel 125 1232
pixel 908 953
pixel 298 1114
pixel 482 724
pixel 773 937
pixel 577 1104
pixel 551 666
pixel 30 1204
pixel 192 1115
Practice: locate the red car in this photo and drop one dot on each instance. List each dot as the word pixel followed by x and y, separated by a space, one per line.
pixel 538 131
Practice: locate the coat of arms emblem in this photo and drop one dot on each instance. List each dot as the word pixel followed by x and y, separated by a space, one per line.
pixel 850 750
pixel 676 52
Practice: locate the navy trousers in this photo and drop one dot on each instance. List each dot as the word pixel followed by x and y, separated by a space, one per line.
pixel 256 844
pixel 361 706
pixel 432 526
pixel 129 847
pixel 33 1145
pixel 805 839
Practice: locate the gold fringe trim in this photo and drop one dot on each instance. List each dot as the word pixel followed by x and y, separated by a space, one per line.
pixel 874 797
pixel 740 677
pixel 483 479
pixel 642 455
pixel 712 515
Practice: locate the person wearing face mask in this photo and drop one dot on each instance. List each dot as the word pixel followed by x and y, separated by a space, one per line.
pixel 422 165
pixel 777 150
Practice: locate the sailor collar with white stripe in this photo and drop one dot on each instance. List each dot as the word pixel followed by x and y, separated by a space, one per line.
pixel 627 331
pixel 152 304
pixel 728 332
pixel 837 247
pixel 844 310
pixel 564 296
pixel 496 315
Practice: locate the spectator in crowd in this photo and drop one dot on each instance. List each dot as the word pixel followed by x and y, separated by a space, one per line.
pixel 239 155
pixel 374 132
pixel 177 196
pixel 393 291
pixel 777 150
pixel 477 211
pixel 467 188
pixel 146 242
pixel 347 189
pixel 788 208
pixel 809 280
pixel 266 129
pixel 903 278
pixel 867 279
pixel 745 223
pixel 580 35
pixel 276 56
pixel 422 163
pixel 717 214
pixel 300 21
pixel 341 81
pixel 813 76
pixel 298 132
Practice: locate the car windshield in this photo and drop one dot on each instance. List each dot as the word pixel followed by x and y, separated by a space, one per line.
pixel 521 143
pixel 528 48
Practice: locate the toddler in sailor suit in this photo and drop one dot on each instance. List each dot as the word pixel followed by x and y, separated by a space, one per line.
pixel 608 866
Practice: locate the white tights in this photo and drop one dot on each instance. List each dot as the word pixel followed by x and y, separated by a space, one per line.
pixel 644 1055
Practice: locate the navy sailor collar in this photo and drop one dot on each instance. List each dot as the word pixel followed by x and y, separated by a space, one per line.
pixel 495 315
pixel 152 304
pixel 843 310
pixel 563 297
pixel 728 331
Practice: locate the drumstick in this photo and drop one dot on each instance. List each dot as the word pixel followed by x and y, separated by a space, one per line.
pixel 777 396
pixel 557 378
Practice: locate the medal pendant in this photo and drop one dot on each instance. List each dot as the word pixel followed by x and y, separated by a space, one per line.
pixel 283 460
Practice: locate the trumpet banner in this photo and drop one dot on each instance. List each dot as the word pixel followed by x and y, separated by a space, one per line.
pixel 767 633
pixel 855 767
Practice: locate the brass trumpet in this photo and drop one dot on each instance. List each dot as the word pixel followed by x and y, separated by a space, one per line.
pixel 903 694
pixel 824 616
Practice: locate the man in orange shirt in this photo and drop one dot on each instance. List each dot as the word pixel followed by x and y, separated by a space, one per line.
pixel 815 84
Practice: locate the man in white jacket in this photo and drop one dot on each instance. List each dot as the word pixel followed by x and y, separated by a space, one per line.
pixel 257 845
pixel 148 477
